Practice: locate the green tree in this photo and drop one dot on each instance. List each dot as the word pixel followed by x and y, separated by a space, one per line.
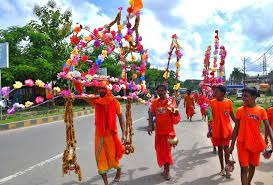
pixel 236 76
pixel 38 50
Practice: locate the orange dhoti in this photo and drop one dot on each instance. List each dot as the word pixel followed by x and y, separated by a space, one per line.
pixel 190 111
pixel 163 150
pixel 108 152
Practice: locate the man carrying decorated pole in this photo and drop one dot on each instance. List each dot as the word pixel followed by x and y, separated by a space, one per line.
pixel 108 146
pixel 167 115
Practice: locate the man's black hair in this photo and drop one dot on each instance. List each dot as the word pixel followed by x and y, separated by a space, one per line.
pixel 252 91
pixel 161 86
pixel 189 90
pixel 222 89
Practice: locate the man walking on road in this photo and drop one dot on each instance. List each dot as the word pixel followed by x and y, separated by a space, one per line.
pixel 189 105
pixel 108 146
pixel 166 117
pixel 250 142
pixel 222 110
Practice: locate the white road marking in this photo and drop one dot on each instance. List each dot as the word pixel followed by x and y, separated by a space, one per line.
pixel 138 119
pixel 5 179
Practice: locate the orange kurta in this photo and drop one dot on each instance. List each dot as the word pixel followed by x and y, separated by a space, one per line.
pixel 189 102
pixel 250 142
pixel 165 121
pixel 108 146
pixel 221 126
pixel 270 119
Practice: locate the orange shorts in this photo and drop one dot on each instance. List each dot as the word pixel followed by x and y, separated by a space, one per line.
pixel 220 142
pixel 247 157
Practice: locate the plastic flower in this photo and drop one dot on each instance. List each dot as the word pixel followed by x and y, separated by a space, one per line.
pixel 84 58
pixel 74 52
pixel 97 43
pixel 74 40
pixel 177 86
pixel 120 27
pixel 3 103
pixel 76 74
pixel 87 39
pixel 29 83
pixel 11 111
pixel 49 96
pixel 48 86
pixel 40 83
pixel 69 62
pixel 5 91
pixel 133 58
pixel 39 99
pixel 89 78
pixel 104 53
pixel 78 28
pixel 17 85
pixel 65 93
pixel 57 89
pixel 28 104
pixel 123 86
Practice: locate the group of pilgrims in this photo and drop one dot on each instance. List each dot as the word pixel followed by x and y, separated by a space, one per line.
pixel 216 110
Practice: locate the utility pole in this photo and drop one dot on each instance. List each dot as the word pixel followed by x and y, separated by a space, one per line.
pixel 265 67
pixel 244 69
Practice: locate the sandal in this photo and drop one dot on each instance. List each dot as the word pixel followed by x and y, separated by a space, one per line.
pixel 228 175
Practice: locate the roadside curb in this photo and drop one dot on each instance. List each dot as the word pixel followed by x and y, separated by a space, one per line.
pixel 42 120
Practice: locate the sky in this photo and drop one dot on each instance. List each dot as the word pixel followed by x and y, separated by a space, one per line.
pixel 245 27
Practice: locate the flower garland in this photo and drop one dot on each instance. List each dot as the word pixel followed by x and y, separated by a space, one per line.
pixel 177 48
pixel 210 78
pixel 125 40
pixel 39 100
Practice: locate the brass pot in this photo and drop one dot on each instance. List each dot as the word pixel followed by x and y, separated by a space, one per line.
pixel 173 142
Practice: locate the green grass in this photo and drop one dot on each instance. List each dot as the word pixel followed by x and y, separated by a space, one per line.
pixel 41 112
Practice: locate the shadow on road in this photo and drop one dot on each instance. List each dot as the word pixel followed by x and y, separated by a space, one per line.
pixel 211 180
pixel 265 167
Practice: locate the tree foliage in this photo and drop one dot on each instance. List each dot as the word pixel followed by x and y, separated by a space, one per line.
pixel 236 76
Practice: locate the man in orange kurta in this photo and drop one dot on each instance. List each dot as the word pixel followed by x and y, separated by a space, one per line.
pixel 270 119
pixel 108 146
pixel 189 105
pixel 222 110
pixel 166 117
pixel 250 142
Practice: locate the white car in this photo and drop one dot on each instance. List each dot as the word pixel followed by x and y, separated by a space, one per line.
pixel 239 94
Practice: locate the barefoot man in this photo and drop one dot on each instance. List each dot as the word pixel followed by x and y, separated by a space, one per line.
pixel 222 110
pixel 250 142
pixel 108 146
pixel 189 104
pixel 165 120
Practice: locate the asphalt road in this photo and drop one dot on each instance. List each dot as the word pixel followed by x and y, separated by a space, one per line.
pixel 32 156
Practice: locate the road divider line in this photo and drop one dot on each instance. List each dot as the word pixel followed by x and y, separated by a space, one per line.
pixel 138 119
pixel 20 173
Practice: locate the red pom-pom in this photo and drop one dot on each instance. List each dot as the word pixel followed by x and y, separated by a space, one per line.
pixel 84 58
pixel 130 10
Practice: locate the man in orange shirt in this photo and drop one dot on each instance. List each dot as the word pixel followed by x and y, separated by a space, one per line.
pixel 222 110
pixel 270 119
pixel 250 142
pixel 189 104
pixel 108 146
pixel 166 117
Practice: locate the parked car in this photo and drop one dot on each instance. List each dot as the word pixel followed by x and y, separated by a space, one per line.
pixel 239 94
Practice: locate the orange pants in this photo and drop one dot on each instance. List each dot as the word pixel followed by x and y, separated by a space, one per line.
pixel 247 157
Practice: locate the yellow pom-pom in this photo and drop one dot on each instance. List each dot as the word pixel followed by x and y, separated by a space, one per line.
pixel 104 53
pixel 17 85
pixel 69 62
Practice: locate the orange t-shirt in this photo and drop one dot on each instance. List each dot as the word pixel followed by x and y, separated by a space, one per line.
pixel 270 116
pixel 221 125
pixel 164 121
pixel 189 100
pixel 249 131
